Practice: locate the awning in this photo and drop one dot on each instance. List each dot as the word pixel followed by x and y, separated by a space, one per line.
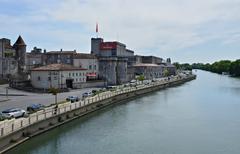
pixel 91 74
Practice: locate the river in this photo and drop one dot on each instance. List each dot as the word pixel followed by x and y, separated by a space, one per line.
pixel 198 117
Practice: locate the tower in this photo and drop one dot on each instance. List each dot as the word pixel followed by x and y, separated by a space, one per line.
pixel 20 48
pixel 95 46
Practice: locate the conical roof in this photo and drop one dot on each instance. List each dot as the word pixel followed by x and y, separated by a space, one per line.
pixel 19 41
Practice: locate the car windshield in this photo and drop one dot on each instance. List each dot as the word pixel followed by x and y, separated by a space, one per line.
pixel 10 110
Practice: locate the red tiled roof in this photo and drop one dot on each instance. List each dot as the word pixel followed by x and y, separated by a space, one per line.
pixel 84 56
pixel 57 67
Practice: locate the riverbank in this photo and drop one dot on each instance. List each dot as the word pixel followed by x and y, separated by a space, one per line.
pixel 19 130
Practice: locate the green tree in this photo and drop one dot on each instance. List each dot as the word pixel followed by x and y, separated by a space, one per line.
pixel 165 73
pixel 54 91
pixel 235 68
pixel 141 78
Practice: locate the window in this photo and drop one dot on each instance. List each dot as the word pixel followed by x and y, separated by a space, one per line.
pixel 80 74
pixel 76 74
pixel 95 67
pixel 49 78
pixel 90 67
pixel 69 74
pixel 39 78
pixel 72 74
pixel 77 80
pixel 55 78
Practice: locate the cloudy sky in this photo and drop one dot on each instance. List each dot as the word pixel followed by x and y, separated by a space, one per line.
pixel 185 30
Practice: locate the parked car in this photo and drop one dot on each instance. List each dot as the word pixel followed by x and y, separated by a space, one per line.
pixel 14 113
pixel 2 117
pixel 72 98
pixel 35 107
pixel 87 94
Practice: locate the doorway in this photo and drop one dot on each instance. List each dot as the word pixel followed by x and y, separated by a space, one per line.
pixel 69 83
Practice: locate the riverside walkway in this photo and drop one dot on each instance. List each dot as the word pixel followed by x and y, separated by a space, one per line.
pixel 12 130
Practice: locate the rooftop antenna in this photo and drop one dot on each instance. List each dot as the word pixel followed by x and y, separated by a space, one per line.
pixel 97 30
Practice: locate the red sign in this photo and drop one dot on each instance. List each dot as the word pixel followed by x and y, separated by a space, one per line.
pixel 108 45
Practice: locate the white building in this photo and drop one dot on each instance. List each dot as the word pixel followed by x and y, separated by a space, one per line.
pixel 58 76
pixel 89 62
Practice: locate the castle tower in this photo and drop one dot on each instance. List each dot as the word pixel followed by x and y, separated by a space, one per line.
pixel 95 46
pixel 20 48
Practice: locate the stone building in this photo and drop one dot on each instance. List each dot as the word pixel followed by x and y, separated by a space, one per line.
pixel 12 59
pixel 35 58
pixel 58 76
pixel 113 60
pixel 152 71
pixel 89 62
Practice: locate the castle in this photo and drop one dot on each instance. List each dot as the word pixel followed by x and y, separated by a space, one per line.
pixel 12 59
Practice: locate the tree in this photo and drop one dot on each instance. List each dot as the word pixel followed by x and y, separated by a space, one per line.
pixel 165 72
pixel 54 91
pixel 235 68
pixel 141 78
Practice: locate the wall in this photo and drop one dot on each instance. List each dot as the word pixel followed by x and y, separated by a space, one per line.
pixel 85 63
pixel 58 78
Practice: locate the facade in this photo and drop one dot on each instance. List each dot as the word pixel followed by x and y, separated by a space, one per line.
pixel 89 62
pixel 60 57
pixel 35 59
pixel 113 60
pixel 152 71
pixel 58 76
pixel 12 59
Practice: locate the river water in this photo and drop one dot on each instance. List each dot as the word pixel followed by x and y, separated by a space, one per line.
pixel 198 117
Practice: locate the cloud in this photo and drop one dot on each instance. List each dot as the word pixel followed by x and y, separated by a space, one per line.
pixel 160 27
pixel 160 24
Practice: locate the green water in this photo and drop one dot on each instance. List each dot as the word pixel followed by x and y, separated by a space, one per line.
pixel 198 117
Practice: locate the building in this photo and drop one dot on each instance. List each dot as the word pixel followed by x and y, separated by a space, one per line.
pixel 113 60
pixel 89 62
pixel 35 58
pixel 58 76
pixel 152 71
pixel 12 59
pixel 60 57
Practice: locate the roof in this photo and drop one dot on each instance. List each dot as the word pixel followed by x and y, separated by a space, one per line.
pixel 57 67
pixel 61 52
pixel 19 41
pixel 84 56
pixel 146 65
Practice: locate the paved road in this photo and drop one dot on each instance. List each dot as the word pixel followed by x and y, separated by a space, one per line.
pixel 32 98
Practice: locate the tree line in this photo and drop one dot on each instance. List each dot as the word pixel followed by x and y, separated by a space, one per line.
pixel 231 67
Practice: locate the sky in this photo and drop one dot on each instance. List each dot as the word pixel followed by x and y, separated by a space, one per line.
pixel 184 30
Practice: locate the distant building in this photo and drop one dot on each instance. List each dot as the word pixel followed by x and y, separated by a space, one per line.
pixel 152 71
pixel 12 59
pixel 58 76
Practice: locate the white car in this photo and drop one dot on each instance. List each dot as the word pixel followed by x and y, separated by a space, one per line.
pixel 87 94
pixel 14 113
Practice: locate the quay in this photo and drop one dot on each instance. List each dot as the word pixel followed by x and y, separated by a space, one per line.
pixel 13 132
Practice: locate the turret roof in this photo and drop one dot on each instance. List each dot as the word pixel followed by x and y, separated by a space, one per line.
pixel 19 41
